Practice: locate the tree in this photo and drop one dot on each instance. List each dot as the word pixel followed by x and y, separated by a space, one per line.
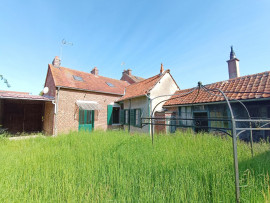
pixel 5 81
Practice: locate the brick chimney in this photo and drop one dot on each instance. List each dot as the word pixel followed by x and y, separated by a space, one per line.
pixel 128 72
pixel 56 62
pixel 94 71
pixel 161 69
pixel 233 65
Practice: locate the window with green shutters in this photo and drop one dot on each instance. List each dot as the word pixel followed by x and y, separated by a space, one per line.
pixel 109 114
pixel 132 117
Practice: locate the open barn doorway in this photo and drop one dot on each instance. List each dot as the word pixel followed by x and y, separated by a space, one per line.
pixel 21 116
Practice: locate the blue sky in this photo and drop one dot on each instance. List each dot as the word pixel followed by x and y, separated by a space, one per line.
pixel 191 38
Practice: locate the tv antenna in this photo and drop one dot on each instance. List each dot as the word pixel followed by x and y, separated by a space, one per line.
pixel 64 42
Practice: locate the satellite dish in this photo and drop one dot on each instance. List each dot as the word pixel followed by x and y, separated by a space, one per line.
pixel 45 90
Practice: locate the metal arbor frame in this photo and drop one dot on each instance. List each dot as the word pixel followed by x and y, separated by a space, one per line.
pixel 233 129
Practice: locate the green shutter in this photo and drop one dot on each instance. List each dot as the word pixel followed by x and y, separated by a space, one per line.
pixel 132 117
pixel 122 116
pixel 109 114
pixel 139 119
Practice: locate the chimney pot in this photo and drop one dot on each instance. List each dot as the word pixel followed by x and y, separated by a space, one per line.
pixel 94 71
pixel 56 62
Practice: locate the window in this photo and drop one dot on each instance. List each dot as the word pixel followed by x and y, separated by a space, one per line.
pixel 137 117
pixel 78 78
pixel 185 113
pixel 126 116
pixel 115 115
pixel 109 84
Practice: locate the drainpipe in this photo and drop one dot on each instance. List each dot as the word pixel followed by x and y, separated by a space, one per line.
pixel 56 111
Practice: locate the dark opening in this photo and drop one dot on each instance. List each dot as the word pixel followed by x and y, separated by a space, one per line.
pixel 22 116
pixel 116 115
pixel 201 121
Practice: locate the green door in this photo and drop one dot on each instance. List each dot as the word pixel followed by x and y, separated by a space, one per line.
pixel 86 120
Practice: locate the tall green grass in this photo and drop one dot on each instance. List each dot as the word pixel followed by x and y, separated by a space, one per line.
pixel 118 167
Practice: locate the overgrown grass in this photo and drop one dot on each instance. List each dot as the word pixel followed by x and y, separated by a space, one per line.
pixel 114 166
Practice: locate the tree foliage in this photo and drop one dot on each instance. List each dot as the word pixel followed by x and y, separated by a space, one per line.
pixel 5 81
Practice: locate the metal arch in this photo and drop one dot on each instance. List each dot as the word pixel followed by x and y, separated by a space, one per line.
pixel 223 132
pixel 185 94
pixel 236 170
pixel 251 134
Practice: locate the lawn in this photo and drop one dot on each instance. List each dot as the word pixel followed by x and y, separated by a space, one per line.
pixel 118 167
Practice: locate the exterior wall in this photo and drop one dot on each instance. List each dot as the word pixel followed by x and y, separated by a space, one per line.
pixel 50 84
pixel 48 118
pixel 257 109
pixel 68 112
pixel 138 103
pixel 166 86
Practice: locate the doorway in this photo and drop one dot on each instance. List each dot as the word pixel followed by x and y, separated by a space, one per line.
pixel 86 120
pixel 200 121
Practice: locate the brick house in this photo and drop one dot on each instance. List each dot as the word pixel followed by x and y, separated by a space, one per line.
pixel 81 100
pixel 88 100
pixel 204 105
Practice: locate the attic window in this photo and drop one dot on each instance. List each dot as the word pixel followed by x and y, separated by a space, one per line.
pixel 78 78
pixel 109 84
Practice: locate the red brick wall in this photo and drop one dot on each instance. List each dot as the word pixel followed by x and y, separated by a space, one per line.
pixel 126 78
pixel 160 128
pixel 68 112
pixel 50 84
pixel 48 118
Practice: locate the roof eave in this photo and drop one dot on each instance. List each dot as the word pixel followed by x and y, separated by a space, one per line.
pixel 73 88
pixel 218 102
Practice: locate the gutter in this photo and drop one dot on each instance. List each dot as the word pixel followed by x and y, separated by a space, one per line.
pixel 26 99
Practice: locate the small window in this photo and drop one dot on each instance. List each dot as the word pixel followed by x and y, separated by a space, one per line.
pixel 78 78
pixel 109 84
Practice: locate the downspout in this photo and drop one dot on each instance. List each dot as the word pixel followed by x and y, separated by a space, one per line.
pixel 56 111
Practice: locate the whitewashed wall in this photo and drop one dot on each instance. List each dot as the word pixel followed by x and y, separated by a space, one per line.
pixel 138 103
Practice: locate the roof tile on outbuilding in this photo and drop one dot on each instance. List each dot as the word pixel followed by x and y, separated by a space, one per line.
pixel 241 88
pixel 64 77
pixel 21 96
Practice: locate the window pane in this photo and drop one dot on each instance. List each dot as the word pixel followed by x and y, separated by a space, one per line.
pixel 88 117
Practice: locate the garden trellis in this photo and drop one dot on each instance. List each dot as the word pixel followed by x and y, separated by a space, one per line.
pixel 232 130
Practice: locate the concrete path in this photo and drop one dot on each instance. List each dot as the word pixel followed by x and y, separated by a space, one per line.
pixel 24 137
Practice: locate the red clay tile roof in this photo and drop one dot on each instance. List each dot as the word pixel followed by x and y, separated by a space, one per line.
pixel 141 88
pixel 21 95
pixel 135 78
pixel 64 77
pixel 259 82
